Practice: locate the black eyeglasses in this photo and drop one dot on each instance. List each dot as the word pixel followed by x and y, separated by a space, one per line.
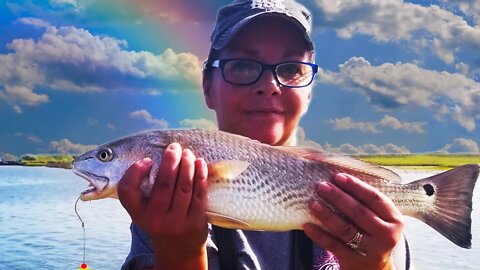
pixel 247 71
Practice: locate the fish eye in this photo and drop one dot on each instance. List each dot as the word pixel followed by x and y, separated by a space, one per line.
pixel 105 155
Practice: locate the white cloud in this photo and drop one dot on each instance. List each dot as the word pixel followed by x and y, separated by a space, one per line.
pixel 145 115
pixel 201 123
pixel 72 59
pixel 395 20
pixel 412 127
pixel 390 86
pixel 17 109
pixel 29 137
pixel 93 121
pixel 96 122
pixel 22 95
pixel 366 149
pixel 65 146
pixel 468 7
pixel 302 139
pixel 8 157
pixel 463 68
pixel 35 22
pixel 347 123
pixel 462 145
pixel 169 16
pixel 349 149
pixel 63 2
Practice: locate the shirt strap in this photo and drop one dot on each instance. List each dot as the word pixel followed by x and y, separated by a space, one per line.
pixel 227 251
pixel 302 251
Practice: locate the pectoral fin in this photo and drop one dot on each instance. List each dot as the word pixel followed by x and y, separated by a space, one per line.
pixel 226 169
pixel 226 221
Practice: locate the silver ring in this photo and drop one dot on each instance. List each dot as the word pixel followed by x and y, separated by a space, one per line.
pixel 354 243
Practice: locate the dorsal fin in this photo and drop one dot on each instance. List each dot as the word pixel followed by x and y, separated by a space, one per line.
pixel 304 152
pixel 342 161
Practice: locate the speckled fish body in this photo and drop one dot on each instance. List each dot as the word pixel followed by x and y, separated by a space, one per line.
pixel 256 186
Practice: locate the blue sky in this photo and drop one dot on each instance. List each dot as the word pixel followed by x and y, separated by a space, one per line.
pixel 396 76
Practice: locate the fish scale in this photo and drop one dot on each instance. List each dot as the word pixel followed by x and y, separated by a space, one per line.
pixel 256 186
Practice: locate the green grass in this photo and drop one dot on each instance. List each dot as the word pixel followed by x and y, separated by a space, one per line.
pixel 413 161
pixel 56 161
pixel 422 161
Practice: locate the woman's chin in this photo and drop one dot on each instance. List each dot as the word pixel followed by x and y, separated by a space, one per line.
pixel 268 135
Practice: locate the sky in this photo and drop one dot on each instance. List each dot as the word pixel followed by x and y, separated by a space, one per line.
pixel 395 77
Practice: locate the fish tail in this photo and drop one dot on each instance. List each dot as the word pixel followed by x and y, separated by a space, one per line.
pixel 451 192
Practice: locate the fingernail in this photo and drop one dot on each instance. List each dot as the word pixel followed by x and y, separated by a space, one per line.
pixel 341 178
pixel 324 187
pixel 308 228
pixel 173 146
pixel 187 152
pixel 316 206
pixel 204 164
pixel 146 161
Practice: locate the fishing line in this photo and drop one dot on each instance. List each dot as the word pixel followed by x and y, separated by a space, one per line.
pixel 84 265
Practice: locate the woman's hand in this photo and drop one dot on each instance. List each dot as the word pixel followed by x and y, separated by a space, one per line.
pixel 174 214
pixel 364 210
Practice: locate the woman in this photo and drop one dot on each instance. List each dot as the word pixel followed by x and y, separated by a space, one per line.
pixel 257 79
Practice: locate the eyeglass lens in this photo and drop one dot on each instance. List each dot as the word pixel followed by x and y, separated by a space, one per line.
pixel 246 72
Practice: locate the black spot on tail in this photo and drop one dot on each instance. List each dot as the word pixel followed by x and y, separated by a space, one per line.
pixel 429 189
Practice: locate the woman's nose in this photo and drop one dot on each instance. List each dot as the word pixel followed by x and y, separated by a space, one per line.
pixel 267 84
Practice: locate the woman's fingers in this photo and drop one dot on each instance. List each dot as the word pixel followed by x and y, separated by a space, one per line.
pixel 129 192
pixel 351 198
pixel 180 186
pixel 350 208
pixel 360 224
pixel 372 198
pixel 198 203
pixel 336 246
pixel 339 229
pixel 174 214
pixel 165 182
pixel 184 186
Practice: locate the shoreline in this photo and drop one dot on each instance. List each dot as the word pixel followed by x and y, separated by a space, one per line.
pixel 11 163
pixel 396 169
pixel 398 163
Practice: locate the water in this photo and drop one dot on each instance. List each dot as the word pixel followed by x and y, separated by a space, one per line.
pixel 39 228
pixel 432 251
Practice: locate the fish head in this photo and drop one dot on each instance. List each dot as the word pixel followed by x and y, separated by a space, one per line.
pixel 104 166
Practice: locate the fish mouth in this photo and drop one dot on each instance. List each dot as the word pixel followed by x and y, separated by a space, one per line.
pixel 97 183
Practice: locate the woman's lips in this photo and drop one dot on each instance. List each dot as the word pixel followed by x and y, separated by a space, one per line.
pixel 267 112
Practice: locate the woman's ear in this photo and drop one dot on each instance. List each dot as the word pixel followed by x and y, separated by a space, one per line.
pixel 206 85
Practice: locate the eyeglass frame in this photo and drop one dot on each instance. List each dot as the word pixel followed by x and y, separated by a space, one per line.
pixel 220 63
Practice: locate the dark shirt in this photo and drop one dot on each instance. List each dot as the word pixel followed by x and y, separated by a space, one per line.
pixel 257 250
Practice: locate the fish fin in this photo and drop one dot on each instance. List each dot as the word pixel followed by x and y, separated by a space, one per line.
pixel 452 203
pixel 161 145
pixel 226 169
pixel 226 221
pixel 304 152
pixel 148 182
pixel 345 162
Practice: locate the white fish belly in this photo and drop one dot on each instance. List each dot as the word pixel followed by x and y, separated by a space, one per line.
pixel 258 211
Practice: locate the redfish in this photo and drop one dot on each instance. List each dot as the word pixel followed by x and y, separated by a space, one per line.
pixel 256 186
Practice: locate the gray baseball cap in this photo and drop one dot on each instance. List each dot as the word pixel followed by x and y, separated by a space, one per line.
pixel 231 18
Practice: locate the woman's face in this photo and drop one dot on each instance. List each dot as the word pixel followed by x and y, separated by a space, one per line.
pixel 264 111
